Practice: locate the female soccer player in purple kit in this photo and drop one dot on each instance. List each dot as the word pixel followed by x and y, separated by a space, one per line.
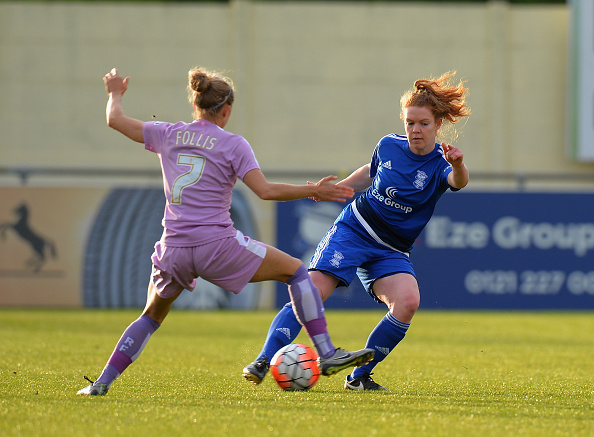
pixel 374 234
pixel 200 163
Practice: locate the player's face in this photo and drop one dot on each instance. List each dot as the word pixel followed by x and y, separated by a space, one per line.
pixel 421 129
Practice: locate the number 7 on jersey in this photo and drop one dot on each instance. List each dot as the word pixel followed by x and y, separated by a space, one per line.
pixel 190 177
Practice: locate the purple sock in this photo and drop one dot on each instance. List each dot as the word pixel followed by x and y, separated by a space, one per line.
pixel 309 310
pixel 130 346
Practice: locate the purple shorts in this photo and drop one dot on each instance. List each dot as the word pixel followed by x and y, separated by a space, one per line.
pixel 229 263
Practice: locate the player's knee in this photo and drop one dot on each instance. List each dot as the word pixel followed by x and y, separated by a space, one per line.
pixel 404 305
pixel 411 303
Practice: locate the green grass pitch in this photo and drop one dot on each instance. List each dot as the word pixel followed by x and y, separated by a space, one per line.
pixel 456 374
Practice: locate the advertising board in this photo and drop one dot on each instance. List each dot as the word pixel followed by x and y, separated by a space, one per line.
pixel 479 251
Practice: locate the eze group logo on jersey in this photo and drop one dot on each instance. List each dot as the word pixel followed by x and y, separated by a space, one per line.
pixel 391 192
pixel 388 199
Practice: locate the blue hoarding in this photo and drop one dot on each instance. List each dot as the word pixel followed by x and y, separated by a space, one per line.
pixel 479 251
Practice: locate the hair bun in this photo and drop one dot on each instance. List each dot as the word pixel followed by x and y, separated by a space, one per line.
pixel 199 81
pixel 208 90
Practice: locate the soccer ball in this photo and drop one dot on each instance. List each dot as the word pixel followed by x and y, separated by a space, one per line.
pixel 295 367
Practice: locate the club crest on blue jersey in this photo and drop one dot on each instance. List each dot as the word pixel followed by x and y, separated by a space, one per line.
pixel 420 179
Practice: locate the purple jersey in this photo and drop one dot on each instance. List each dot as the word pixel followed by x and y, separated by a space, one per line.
pixel 200 164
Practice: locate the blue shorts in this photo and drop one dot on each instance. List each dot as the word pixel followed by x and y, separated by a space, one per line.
pixel 346 251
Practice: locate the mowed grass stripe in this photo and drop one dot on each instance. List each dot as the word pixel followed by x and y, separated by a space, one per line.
pixel 455 374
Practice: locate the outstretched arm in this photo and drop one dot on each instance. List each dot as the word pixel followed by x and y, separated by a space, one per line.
pixel 116 86
pixel 359 179
pixel 323 190
pixel 458 177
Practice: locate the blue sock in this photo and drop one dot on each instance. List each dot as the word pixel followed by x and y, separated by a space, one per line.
pixel 283 330
pixel 383 339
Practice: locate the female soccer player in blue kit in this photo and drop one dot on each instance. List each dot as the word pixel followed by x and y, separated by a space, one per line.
pixel 373 236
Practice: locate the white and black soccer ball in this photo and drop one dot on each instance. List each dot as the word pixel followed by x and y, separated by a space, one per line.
pixel 295 367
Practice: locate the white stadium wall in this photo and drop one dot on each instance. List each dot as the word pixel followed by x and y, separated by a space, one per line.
pixel 317 83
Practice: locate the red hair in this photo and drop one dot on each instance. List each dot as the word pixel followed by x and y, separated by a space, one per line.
pixel 445 100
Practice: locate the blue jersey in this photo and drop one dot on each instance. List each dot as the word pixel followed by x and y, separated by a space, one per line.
pixel 402 197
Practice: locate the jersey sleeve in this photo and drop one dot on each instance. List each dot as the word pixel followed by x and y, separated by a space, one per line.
pixel 444 170
pixel 245 159
pixel 444 173
pixel 154 135
pixel 375 161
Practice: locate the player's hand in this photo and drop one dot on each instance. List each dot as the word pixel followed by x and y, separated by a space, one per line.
pixel 312 198
pixel 452 154
pixel 327 191
pixel 114 83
